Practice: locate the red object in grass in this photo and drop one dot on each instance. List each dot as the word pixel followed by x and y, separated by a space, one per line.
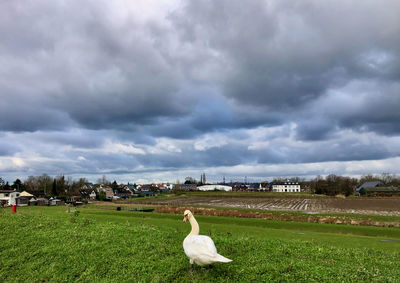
pixel 14 208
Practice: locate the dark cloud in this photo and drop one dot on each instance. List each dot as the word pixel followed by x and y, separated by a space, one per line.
pixel 77 65
pixel 284 55
pixel 89 87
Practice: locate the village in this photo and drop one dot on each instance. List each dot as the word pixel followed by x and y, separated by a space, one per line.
pixel 81 192
pixel 108 192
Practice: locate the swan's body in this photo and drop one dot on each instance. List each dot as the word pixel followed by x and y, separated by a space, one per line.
pixel 200 249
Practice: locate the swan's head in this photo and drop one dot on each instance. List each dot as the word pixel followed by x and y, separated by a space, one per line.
pixel 187 215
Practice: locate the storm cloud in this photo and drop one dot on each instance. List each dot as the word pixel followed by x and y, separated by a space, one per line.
pixel 155 90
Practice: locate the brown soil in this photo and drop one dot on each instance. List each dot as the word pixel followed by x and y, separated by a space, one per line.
pixel 389 206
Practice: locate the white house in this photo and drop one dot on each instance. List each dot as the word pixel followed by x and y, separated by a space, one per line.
pixel 5 196
pixel 9 197
pixel 92 195
pixel 285 187
pixel 215 187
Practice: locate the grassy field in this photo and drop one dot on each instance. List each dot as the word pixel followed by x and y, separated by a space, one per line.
pixel 46 244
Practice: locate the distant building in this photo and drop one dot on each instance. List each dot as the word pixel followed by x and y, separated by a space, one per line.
pixel 373 184
pixel 237 186
pixel 285 187
pixel 5 197
pixel 9 197
pixel 24 198
pixel 379 191
pixel 215 187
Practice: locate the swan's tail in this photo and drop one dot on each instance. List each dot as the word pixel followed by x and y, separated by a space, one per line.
pixel 221 258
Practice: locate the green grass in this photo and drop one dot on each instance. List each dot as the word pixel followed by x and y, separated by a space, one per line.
pixel 46 244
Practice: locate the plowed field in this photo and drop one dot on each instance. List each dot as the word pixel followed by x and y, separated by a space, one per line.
pixel 303 203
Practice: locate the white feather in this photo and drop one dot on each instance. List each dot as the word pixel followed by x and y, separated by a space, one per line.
pixel 201 249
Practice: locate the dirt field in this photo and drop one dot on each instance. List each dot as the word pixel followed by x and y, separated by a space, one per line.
pixel 389 206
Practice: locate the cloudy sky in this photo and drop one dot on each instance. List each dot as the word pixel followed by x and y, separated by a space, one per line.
pixel 159 90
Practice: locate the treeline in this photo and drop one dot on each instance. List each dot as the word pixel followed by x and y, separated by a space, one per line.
pixel 48 186
pixel 329 185
pixel 333 185
pixel 45 185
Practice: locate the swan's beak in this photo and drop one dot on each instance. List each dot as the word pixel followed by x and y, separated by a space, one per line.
pixel 185 218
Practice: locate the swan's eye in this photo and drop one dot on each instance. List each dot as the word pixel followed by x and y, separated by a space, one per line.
pixel 186 215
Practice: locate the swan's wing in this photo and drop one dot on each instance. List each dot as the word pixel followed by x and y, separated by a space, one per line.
pixel 199 246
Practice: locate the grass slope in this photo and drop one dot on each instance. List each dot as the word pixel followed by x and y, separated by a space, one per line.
pixel 47 244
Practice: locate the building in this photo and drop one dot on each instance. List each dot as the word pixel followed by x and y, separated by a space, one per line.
pixel 42 201
pixel 237 186
pixel 373 184
pixel 9 197
pixel 285 187
pixel 24 198
pixel 384 191
pixel 5 197
pixel 215 188
pixel 108 190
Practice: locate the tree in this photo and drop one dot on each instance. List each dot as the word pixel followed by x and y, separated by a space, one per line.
pixel 7 186
pixel 54 188
pixel 1 183
pixel 61 187
pixel 387 178
pixel 17 185
pixel 102 195
pixel 114 185
pixel 103 180
pixel 190 180
pixel 368 178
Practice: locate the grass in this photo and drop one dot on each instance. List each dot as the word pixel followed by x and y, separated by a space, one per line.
pixel 46 244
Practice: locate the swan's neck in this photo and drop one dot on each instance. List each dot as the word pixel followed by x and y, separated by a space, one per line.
pixel 195 226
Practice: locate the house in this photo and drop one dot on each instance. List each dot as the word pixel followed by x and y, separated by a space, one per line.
pixel 9 197
pixel 237 186
pixel 42 201
pixel 146 193
pixel 373 184
pixel 108 190
pixel 164 190
pixel 24 198
pixel 147 187
pixel 285 187
pixel 5 197
pixel 124 192
pixel 92 195
pixel 88 194
pixel 130 187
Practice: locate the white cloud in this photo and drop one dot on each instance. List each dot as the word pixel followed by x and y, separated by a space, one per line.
pixel 210 140
pixel 115 147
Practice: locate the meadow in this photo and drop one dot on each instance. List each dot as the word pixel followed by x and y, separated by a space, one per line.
pixel 46 244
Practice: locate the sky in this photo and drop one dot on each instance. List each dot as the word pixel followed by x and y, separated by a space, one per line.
pixel 152 91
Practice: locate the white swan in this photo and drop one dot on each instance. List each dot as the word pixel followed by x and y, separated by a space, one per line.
pixel 200 249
